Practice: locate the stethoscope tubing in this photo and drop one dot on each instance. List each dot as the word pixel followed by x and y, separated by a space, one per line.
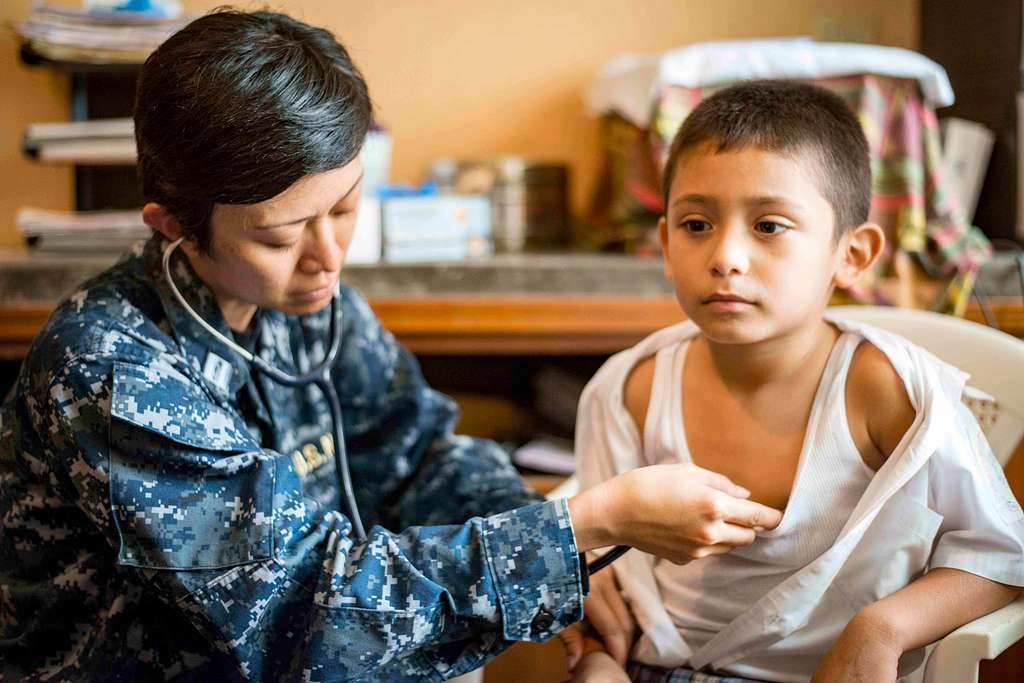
pixel 319 376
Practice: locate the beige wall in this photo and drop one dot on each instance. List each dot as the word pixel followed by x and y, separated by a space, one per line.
pixel 468 78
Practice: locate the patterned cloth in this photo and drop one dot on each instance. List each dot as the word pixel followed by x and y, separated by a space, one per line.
pixel 912 197
pixel 641 673
pixel 166 513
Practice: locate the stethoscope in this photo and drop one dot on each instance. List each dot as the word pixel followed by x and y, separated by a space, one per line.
pixel 321 377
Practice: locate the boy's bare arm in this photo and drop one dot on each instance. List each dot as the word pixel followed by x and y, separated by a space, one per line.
pixel 948 598
pixel 609 616
pixel 931 607
pixel 936 604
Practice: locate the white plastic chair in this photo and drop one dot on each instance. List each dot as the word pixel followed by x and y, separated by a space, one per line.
pixel 995 362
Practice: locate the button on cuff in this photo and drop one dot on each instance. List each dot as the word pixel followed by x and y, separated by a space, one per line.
pixel 542 621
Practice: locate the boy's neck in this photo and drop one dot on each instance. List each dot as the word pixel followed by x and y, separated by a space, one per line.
pixel 749 367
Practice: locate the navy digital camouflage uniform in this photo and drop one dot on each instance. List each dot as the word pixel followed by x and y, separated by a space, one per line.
pixel 168 513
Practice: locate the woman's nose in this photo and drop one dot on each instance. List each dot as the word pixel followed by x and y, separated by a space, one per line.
pixel 324 253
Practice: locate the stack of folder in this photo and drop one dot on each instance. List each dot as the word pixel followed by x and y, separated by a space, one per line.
pixel 96 143
pixel 69 35
pixel 84 231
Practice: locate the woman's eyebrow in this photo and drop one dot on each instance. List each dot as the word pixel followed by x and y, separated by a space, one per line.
pixel 293 221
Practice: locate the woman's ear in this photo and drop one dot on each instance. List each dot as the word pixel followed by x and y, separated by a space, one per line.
pixel 859 248
pixel 158 218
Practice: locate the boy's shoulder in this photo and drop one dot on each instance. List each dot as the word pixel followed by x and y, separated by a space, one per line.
pixel 636 393
pixel 892 379
pixel 609 381
pixel 879 409
pixel 620 381
pixel 878 406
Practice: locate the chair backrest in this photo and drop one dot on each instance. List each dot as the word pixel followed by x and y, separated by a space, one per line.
pixel 994 360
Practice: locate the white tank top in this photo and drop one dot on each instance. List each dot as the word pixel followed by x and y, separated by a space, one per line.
pixel 702 597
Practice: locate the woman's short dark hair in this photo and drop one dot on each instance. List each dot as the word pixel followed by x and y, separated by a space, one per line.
pixel 237 106
pixel 792 118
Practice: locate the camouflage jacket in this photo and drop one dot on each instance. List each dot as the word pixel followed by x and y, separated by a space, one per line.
pixel 169 513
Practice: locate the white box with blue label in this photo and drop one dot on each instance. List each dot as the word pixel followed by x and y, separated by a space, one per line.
pixel 436 227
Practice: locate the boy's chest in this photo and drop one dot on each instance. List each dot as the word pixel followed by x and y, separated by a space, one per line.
pixel 755 444
pixel 759 446
pixel 761 460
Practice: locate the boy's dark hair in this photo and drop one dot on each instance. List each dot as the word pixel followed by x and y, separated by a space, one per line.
pixel 237 106
pixel 789 118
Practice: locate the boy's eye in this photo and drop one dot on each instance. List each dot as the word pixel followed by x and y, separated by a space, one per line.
pixel 696 226
pixel 771 228
pixel 280 247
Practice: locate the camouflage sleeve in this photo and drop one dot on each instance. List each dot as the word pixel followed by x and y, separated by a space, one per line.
pixel 221 530
pixel 440 477
pixel 459 477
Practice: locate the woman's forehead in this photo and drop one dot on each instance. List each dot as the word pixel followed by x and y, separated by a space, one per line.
pixel 310 196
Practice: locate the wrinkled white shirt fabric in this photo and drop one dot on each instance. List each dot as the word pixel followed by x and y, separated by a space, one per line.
pixel 772 610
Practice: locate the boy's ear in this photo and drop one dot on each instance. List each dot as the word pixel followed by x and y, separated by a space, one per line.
pixel 666 262
pixel 158 218
pixel 859 248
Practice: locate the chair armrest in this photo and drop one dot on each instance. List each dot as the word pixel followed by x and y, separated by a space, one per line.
pixel 956 657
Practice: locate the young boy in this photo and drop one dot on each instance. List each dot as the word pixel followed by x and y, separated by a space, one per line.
pixel 857 434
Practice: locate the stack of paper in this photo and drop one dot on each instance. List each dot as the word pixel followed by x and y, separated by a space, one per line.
pixel 92 231
pixel 546 454
pixel 64 34
pixel 98 142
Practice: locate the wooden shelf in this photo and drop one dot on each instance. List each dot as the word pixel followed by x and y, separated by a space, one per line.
pixel 527 325
pixel 494 325
pixel 524 324
pixel 19 324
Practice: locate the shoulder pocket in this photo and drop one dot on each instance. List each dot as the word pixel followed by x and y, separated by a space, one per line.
pixel 162 400
pixel 189 486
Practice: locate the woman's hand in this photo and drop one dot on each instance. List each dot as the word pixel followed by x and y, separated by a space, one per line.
pixel 861 654
pixel 678 512
pixel 609 616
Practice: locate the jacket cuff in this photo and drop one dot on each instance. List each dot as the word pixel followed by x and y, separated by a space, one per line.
pixel 532 554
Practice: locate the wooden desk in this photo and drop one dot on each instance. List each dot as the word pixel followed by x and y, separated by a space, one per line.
pixel 497 325
pixel 461 325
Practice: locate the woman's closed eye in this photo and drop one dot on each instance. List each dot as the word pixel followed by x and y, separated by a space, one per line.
pixel 280 246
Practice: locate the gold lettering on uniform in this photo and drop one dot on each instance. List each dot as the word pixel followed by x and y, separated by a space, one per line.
pixel 300 464
pixel 327 445
pixel 312 456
